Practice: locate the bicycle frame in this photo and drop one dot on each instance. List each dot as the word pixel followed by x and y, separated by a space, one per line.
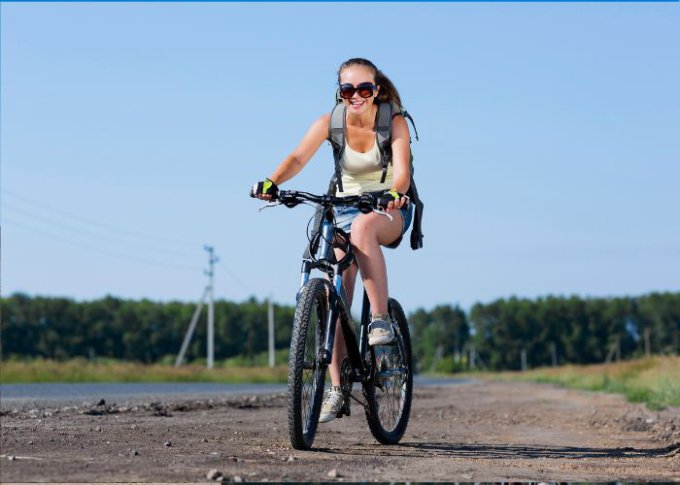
pixel 323 259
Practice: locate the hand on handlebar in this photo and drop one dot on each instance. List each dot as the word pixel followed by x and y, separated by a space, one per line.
pixel 391 199
pixel 265 190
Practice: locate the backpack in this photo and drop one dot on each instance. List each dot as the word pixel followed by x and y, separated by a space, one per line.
pixel 383 133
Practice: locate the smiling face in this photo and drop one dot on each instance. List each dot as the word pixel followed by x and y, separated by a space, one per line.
pixel 356 75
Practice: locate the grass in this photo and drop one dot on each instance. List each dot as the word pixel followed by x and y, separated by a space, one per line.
pixel 654 381
pixel 82 370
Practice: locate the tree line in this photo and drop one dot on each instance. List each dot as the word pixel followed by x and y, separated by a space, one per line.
pixel 133 330
pixel 557 330
pixel 504 334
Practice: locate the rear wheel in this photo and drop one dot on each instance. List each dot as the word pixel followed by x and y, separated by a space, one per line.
pixel 306 372
pixel 389 392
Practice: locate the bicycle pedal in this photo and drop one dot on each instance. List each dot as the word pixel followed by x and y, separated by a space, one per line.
pixel 344 410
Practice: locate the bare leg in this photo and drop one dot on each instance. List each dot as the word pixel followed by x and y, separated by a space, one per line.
pixel 369 232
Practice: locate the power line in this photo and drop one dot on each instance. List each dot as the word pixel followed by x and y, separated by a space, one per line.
pixel 236 279
pixel 69 223
pixel 91 222
pixel 100 251
pixel 89 233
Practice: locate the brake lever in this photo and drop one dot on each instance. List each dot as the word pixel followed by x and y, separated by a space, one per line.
pixel 269 205
pixel 383 213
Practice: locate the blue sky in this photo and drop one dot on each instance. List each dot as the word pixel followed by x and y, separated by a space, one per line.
pixel 549 156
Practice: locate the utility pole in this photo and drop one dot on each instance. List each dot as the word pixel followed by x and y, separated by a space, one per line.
pixel 212 259
pixel 648 347
pixel 270 315
pixel 553 354
pixel 207 292
pixel 190 331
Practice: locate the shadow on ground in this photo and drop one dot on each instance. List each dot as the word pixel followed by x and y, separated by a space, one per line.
pixel 504 452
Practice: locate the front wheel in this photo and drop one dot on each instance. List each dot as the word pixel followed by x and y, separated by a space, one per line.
pixel 306 372
pixel 389 392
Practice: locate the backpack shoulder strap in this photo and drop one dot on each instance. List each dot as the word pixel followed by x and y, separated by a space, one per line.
pixel 336 136
pixel 408 116
pixel 383 133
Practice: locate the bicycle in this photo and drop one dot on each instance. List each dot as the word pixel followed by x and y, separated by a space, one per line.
pixel 385 371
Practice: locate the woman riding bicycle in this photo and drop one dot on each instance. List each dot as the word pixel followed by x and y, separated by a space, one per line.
pixel 362 86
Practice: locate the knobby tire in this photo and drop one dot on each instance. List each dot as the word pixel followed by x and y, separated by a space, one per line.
pixel 306 373
pixel 388 401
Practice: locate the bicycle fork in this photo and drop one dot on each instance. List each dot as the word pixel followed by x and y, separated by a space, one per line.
pixel 333 314
pixel 355 350
pixel 322 261
pixel 336 298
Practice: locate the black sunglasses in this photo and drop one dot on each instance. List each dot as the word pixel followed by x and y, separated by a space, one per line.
pixel 365 90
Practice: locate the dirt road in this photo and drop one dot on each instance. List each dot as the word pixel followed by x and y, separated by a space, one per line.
pixel 467 433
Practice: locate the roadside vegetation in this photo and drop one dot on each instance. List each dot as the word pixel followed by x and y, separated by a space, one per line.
pixel 506 334
pixel 82 370
pixel 47 339
pixel 654 381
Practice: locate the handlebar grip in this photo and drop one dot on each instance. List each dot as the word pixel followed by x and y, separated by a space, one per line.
pixel 383 201
pixel 386 197
pixel 259 188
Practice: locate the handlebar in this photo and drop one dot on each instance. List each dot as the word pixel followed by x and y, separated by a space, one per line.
pixel 365 203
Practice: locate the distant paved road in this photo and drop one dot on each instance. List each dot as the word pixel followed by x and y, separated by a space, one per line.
pixel 22 396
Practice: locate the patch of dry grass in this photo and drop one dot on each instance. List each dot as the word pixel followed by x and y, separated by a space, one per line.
pixel 81 370
pixel 654 381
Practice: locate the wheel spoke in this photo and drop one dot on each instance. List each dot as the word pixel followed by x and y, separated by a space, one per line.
pixel 387 383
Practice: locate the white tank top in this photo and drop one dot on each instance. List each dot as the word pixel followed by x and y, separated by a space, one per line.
pixel 362 171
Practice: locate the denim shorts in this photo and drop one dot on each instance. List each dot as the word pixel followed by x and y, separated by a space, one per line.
pixel 344 216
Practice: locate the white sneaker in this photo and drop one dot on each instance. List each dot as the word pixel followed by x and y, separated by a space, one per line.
pixel 380 333
pixel 332 405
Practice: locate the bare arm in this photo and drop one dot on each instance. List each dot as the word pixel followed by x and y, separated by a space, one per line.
pixel 293 163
